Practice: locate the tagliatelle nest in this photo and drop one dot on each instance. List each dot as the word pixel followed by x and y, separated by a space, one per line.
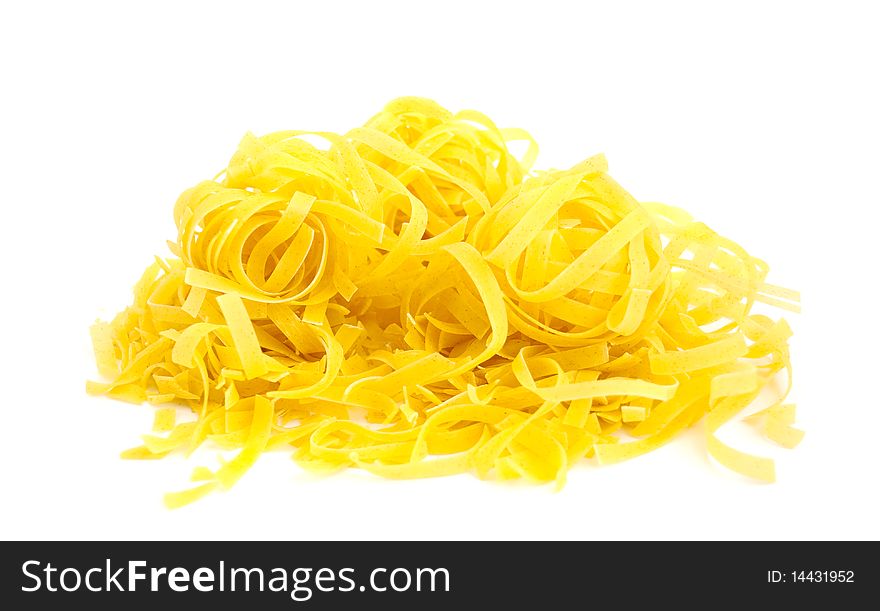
pixel 410 300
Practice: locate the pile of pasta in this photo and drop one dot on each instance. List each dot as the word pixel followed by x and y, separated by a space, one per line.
pixel 412 299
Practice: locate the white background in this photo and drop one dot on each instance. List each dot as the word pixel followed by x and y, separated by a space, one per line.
pixel 760 118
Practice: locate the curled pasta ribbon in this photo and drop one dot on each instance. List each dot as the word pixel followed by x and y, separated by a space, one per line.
pixel 411 299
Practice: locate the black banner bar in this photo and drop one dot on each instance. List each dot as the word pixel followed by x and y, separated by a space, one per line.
pixel 333 575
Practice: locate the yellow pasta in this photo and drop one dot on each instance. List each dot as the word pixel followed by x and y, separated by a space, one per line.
pixel 412 299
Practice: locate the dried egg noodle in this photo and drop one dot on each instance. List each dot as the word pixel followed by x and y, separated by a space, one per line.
pixel 411 299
